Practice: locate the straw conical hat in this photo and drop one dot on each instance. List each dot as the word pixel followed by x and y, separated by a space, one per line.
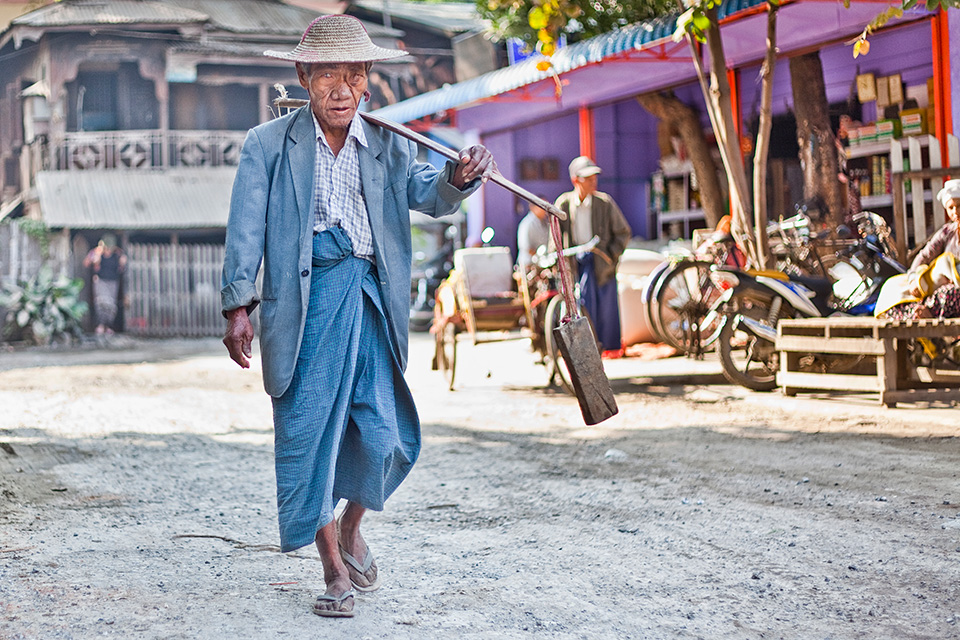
pixel 336 38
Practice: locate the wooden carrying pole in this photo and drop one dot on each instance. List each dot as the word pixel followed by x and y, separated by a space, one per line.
pixel 450 154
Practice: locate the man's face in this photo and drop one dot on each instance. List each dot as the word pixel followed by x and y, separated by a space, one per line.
pixel 952 209
pixel 335 91
pixel 585 186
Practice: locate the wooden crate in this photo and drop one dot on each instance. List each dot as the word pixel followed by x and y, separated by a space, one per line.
pixel 885 368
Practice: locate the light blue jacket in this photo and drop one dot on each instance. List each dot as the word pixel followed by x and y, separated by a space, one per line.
pixel 272 217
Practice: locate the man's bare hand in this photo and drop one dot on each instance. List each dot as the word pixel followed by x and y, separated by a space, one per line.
pixel 475 162
pixel 239 336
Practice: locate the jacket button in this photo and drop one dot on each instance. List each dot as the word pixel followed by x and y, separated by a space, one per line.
pixel 305 273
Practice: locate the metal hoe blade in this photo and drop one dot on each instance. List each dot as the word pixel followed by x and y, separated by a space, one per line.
pixel 579 348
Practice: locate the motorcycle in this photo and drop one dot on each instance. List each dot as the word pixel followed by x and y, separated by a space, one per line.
pixel 754 303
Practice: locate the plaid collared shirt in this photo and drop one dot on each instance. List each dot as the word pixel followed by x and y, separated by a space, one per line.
pixel 338 194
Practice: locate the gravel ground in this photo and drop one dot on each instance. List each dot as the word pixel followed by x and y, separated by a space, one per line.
pixel 137 501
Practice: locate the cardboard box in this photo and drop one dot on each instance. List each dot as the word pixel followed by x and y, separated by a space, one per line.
pixel 868 134
pixel 853 136
pixel 913 122
pixel 887 130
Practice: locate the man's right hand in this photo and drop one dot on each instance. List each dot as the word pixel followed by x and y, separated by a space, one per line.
pixel 239 336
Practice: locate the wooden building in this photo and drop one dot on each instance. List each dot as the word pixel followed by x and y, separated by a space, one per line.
pixel 128 117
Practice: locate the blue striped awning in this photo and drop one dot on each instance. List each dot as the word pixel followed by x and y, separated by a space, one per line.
pixel 634 37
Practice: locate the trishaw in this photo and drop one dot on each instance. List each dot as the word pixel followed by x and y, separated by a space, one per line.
pixel 490 300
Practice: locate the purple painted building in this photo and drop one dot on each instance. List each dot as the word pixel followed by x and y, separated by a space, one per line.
pixel 534 135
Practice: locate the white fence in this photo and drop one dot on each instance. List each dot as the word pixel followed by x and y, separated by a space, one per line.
pixel 174 290
pixel 20 253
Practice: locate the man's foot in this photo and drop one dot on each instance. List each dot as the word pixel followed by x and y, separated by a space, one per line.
pixel 361 566
pixel 336 602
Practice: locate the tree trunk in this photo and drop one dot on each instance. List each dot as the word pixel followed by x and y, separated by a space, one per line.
pixel 717 96
pixel 685 120
pixel 762 149
pixel 818 147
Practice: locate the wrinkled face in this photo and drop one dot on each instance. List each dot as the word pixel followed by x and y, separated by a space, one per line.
pixel 952 207
pixel 335 91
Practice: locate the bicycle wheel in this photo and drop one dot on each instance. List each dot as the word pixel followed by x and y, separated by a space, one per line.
pixel 685 315
pixel 556 367
pixel 649 303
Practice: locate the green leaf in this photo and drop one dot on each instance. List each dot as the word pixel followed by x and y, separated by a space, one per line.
pixel 701 22
pixel 932 4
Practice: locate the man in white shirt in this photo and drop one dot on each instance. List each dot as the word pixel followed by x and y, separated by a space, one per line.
pixel 532 233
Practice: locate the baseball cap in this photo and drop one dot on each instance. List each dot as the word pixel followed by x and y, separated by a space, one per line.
pixel 582 166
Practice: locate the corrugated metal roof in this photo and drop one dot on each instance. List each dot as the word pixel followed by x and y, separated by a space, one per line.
pixel 450 17
pixel 172 199
pixel 633 37
pixel 90 12
pixel 264 16
pixel 235 16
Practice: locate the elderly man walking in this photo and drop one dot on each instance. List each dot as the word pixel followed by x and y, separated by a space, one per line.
pixel 322 199
pixel 594 213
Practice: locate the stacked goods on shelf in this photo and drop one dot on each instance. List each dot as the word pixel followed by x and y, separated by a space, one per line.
pixel 879 182
pixel 913 121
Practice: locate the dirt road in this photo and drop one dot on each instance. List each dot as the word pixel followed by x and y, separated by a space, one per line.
pixel 136 501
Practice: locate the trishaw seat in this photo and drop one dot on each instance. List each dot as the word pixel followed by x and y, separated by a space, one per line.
pixel 488 271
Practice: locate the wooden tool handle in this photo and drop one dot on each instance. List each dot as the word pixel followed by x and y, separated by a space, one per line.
pixel 450 154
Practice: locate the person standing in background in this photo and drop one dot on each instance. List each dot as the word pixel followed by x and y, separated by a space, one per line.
pixel 532 233
pixel 594 213
pixel 108 263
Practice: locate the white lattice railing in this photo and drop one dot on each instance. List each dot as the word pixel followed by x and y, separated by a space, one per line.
pixel 146 149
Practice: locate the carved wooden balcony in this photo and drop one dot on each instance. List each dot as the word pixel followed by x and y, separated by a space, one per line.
pixel 145 149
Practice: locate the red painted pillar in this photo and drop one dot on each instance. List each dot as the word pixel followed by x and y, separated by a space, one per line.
pixel 588 143
pixel 942 108
pixel 733 79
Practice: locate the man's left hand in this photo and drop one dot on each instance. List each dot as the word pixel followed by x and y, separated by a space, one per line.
pixel 475 162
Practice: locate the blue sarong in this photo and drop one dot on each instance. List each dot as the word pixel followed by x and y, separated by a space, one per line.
pixel 346 428
pixel 601 304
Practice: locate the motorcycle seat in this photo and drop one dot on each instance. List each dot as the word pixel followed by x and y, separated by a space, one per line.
pixel 820 286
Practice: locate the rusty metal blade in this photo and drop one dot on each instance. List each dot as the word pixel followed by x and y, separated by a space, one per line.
pixel 580 353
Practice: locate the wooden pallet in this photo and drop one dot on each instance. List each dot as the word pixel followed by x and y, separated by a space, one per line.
pixel 884 368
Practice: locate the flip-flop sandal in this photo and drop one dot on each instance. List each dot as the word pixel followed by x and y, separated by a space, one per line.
pixel 361 568
pixel 338 600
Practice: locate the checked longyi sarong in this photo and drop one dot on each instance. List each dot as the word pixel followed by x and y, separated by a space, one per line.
pixel 347 427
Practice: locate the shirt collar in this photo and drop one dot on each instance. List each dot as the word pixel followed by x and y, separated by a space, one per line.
pixel 579 203
pixel 356 130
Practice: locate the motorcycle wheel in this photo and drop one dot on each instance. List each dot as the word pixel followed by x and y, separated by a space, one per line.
pixel 748 360
pixel 684 313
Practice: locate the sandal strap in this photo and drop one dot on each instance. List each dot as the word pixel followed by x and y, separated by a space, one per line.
pixel 361 567
pixel 329 597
